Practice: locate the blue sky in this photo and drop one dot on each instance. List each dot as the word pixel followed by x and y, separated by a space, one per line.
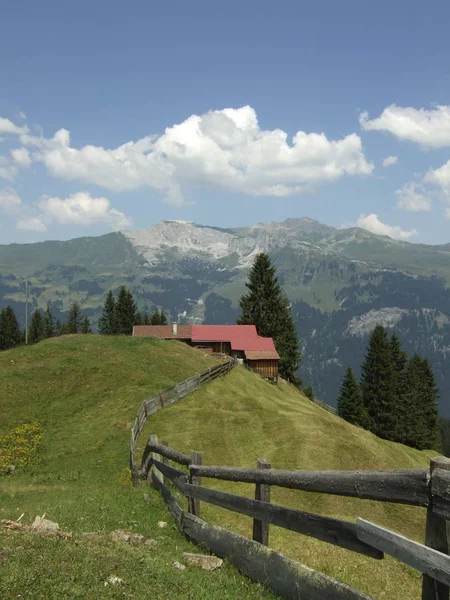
pixel 191 111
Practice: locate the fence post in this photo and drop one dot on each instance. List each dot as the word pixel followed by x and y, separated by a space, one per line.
pixel 437 537
pixel 159 475
pixel 193 503
pixel 262 492
pixel 161 401
pixel 165 461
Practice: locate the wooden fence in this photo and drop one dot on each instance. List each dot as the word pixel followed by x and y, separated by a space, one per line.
pixel 287 578
pixel 167 397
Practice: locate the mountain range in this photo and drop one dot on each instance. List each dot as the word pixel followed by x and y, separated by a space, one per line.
pixel 341 283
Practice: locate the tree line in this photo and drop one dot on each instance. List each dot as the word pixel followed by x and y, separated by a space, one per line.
pixel 397 396
pixel 119 316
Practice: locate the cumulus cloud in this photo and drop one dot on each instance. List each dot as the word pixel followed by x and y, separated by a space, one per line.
pixel 372 223
pixel 8 170
pixel 430 128
pixel 78 209
pixel 21 156
pixel 389 161
pixel 81 209
pixel 9 201
pixel 7 126
pixel 224 148
pixel 411 198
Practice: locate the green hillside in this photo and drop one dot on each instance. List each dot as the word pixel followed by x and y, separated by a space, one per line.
pixel 237 419
pixel 84 391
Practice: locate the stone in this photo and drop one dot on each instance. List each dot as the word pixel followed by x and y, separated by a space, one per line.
pixel 120 536
pixel 137 538
pixel 113 580
pixel 204 561
pixel 178 565
pixel 162 524
pixel 41 524
pixel 146 497
pixel 150 543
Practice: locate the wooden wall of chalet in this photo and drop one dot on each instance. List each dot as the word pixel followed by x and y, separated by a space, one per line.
pixel 265 368
pixel 222 347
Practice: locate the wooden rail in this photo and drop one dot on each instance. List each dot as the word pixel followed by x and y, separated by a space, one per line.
pixel 430 489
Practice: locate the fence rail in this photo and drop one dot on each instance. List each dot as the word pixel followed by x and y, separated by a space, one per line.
pixel 430 489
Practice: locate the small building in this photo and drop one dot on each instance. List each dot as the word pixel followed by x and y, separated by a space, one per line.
pixel 241 341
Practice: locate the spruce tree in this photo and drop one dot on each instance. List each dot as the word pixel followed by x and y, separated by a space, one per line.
pixel 49 323
pixel 85 326
pixel 145 318
pixel 399 360
pixel 267 307
pixel 155 318
pixel 107 323
pixel 378 385
pixel 162 317
pixel 350 401
pixel 73 321
pixel 10 334
pixel 58 328
pixel 429 396
pixel 36 332
pixel 125 312
pixel 138 318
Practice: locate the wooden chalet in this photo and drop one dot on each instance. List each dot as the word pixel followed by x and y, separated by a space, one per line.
pixel 241 341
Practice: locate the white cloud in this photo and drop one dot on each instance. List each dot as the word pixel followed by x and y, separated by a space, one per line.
pixel 78 209
pixel 81 209
pixel 31 224
pixel 411 198
pixel 372 223
pixel 224 148
pixel 9 201
pixel 21 156
pixel 8 170
pixel 389 161
pixel 7 126
pixel 430 128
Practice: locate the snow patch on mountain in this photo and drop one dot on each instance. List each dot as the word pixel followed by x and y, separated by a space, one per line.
pixel 365 324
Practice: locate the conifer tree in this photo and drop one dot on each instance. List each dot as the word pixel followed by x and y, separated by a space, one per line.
pixel 49 323
pixel 145 318
pixel 429 410
pixel 58 328
pixel 399 360
pixel 73 321
pixel 378 385
pixel 85 326
pixel 158 318
pixel 138 318
pixel 266 306
pixel 10 334
pixel 309 392
pixel 36 332
pixel 125 312
pixel 162 317
pixel 350 401
pixel 107 323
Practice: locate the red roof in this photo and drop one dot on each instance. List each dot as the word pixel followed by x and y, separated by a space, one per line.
pixel 242 337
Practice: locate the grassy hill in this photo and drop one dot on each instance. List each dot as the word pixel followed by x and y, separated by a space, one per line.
pixel 237 419
pixel 85 391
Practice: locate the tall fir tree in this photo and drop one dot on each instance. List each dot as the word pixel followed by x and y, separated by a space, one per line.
pixel 107 324
pixel 59 328
pixel 429 408
pixel 267 307
pixel 378 385
pixel 36 332
pixel 49 322
pixel 158 318
pixel 125 312
pixel 350 403
pixel 10 334
pixel 399 359
pixel 74 319
pixel 162 317
pixel 145 318
pixel 85 326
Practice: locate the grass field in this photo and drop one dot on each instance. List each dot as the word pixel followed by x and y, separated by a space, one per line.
pixel 236 419
pixel 85 391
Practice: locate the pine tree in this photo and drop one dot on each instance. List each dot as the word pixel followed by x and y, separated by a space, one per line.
pixel 350 401
pixel 73 321
pixel 138 318
pixel 415 433
pixel 399 360
pixel 378 385
pixel 432 436
pixel 10 334
pixel 267 307
pixel 107 323
pixel 158 318
pixel 85 326
pixel 36 332
pixel 162 318
pixel 145 318
pixel 49 323
pixel 58 328
pixel 125 312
